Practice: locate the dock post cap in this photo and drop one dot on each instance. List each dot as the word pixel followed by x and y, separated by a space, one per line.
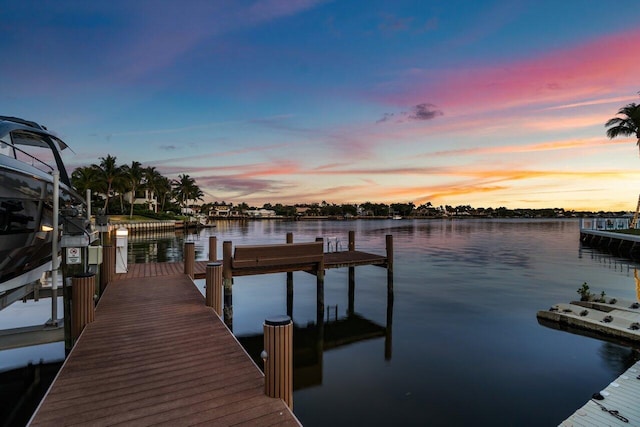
pixel 84 275
pixel 214 264
pixel 277 320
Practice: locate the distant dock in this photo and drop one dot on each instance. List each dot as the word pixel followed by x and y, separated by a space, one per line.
pixel 607 235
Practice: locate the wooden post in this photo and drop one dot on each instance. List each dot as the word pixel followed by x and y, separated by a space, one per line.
pixel 226 262
pixel 352 291
pixel 320 286
pixel 213 248
pixel 214 287
pixel 189 258
pixel 227 280
pixel 108 266
pixel 389 244
pixel 352 240
pixel 389 326
pixel 82 310
pixel 278 358
pixel 290 283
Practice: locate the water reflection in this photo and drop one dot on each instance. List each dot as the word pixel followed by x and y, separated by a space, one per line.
pixel 464 324
pixel 328 332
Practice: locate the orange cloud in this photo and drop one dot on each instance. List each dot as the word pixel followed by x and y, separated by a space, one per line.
pixel 545 146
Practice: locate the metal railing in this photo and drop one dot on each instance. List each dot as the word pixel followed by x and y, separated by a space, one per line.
pixel 604 224
pixel 25 157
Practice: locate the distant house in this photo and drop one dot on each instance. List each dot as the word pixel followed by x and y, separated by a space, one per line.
pixel 222 211
pixel 260 213
pixel 302 211
pixel 143 197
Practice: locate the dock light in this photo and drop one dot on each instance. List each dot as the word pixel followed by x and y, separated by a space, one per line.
pixel 264 356
pixel 46 227
pixel 121 250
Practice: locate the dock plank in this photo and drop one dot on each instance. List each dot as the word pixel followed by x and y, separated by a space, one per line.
pixel 156 355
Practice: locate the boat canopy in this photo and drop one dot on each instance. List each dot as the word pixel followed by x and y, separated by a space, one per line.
pixel 15 132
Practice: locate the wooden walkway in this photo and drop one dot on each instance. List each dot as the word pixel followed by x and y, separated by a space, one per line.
pixel 621 396
pixel 156 355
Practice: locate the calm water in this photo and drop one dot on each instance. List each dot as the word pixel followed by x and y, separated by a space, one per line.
pixel 459 345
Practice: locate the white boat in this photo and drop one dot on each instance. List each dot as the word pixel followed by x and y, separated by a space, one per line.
pixel 29 154
pixel 396 217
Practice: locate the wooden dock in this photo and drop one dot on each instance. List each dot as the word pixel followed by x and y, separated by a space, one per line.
pixel 156 355
pixel 616 405
pixel 331 260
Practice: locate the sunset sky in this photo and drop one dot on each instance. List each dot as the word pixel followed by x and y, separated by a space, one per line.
pixel 486 103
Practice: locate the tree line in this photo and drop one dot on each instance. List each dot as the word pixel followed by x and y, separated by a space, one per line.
pixel 110 183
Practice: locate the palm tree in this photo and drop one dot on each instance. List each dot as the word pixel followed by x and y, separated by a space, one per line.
pixel 109 173
pixel 84 178
pixel 153 182
pixel 133 176
pixel 628 124
pixel 185 189
pixel 163 190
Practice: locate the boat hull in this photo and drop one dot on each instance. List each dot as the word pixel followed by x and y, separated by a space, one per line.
pixel 26 224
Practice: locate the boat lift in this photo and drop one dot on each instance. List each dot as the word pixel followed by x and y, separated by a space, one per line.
pixel 76 249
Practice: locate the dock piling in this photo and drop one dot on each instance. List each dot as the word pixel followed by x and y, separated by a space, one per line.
pixel 214 287
pixel 278 358
pixel 289 283
pixel 189 258
pixel 108 266
pixel 227 253
pixel 352 240
pixel 213 248
pixel 320 286
pixel 227 281
pixel 389 245
pixel 82 308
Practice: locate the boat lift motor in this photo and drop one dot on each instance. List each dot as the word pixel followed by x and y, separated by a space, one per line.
pixel 76 236
pixel 121 249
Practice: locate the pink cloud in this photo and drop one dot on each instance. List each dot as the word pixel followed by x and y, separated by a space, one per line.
pixel 598 67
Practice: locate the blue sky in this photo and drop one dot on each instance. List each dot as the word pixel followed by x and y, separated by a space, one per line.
pixel 488 103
